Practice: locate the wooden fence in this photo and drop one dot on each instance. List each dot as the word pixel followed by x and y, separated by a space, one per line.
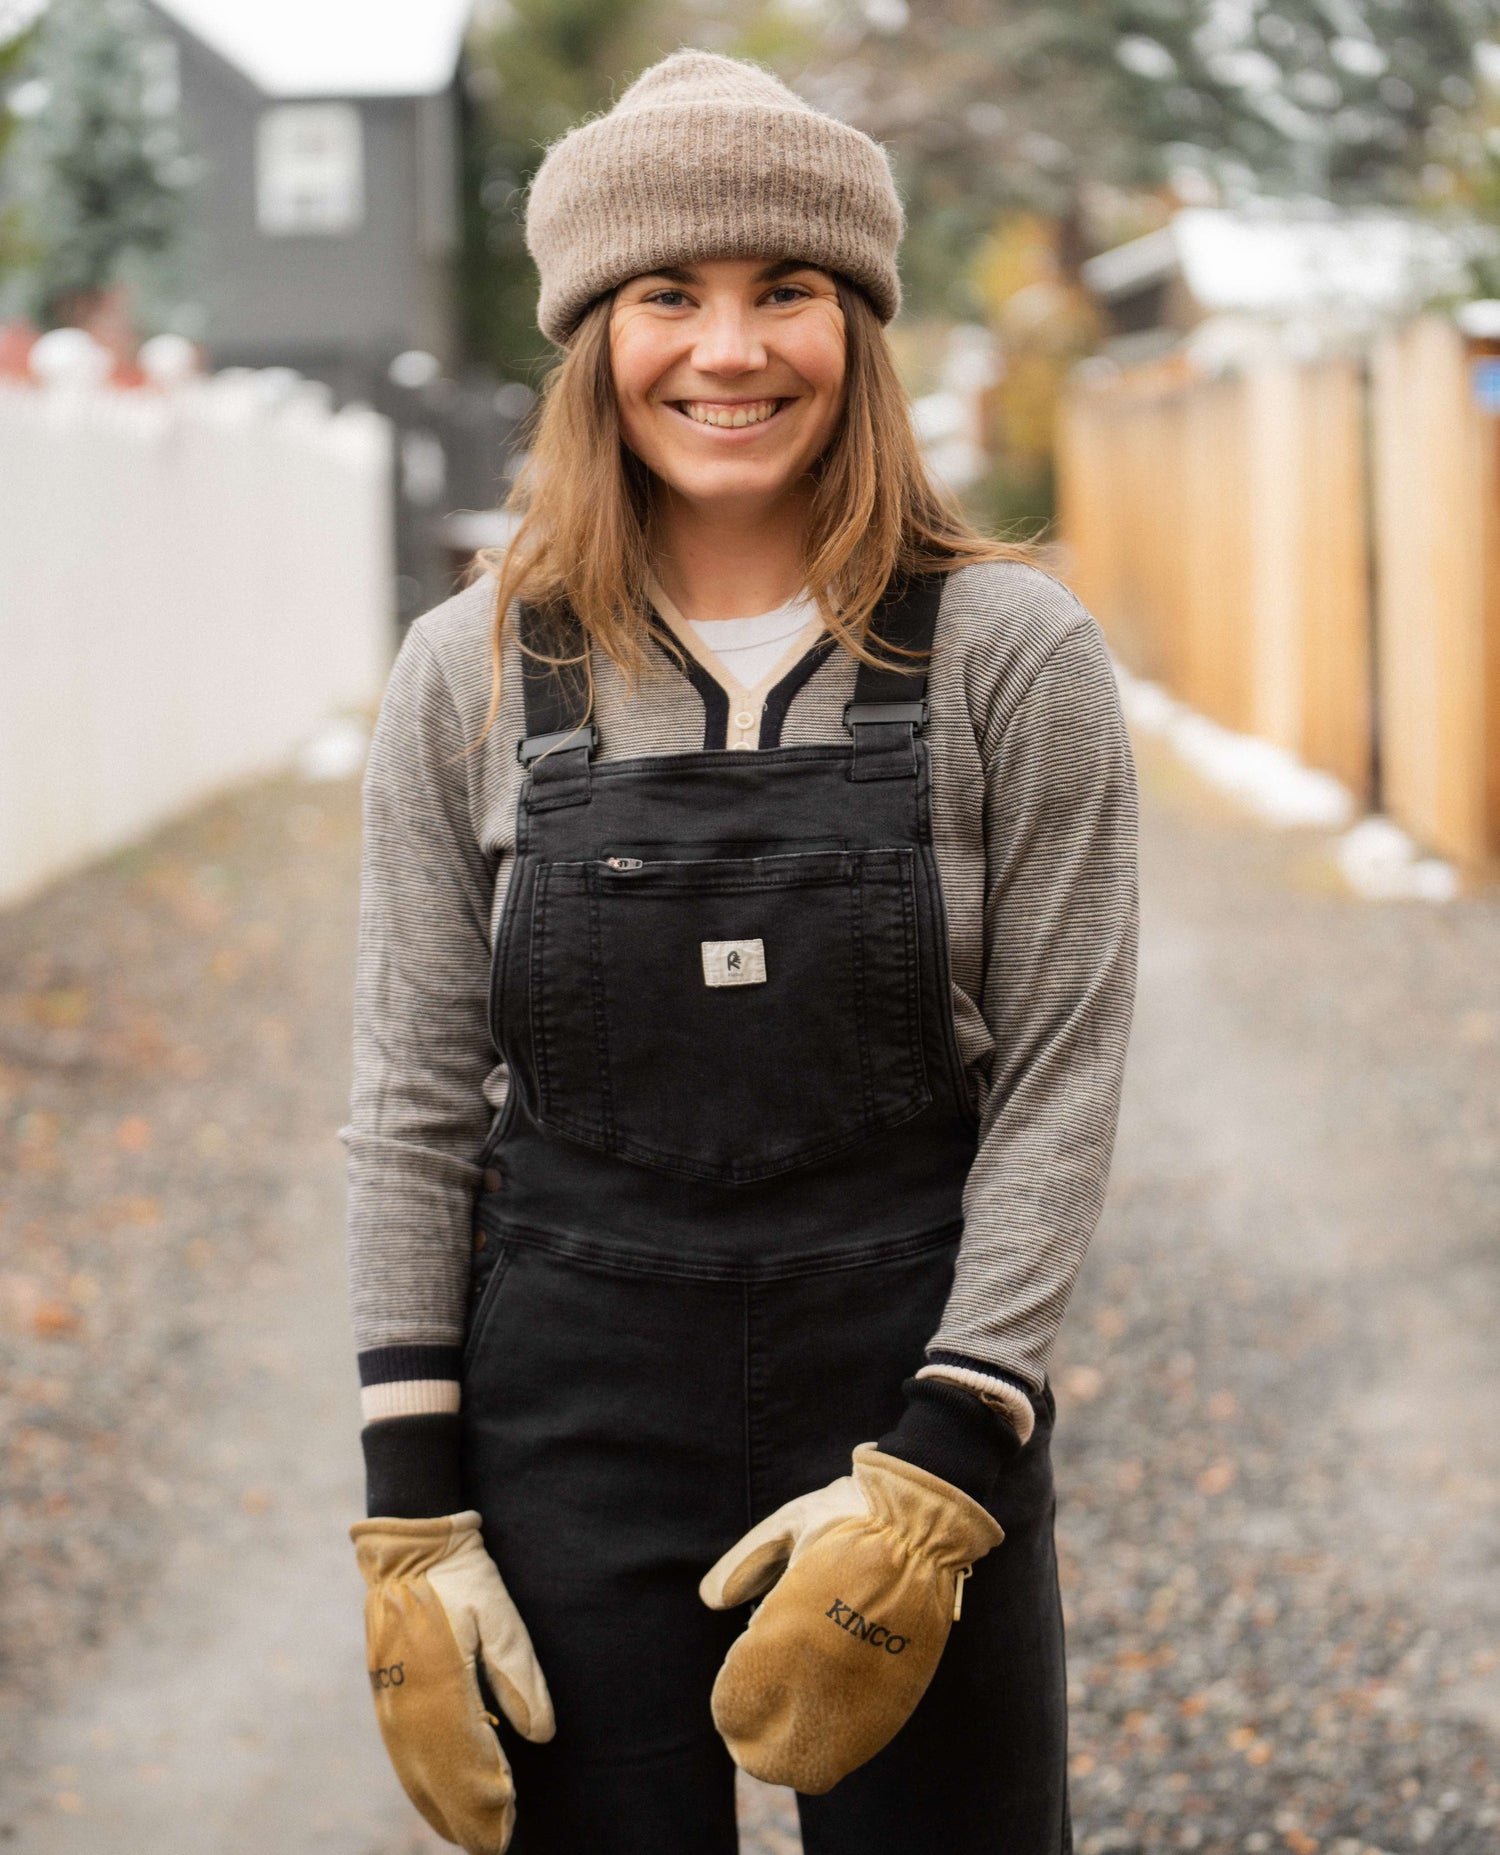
pixel 1309 553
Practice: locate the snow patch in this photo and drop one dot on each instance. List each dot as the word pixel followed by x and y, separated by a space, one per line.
pixel 1381 862
pixel 1376 857
pixel 1271 782
pixel 1279 259
pixel 70 357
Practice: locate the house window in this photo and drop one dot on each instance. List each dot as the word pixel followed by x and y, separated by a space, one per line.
pixel 309 169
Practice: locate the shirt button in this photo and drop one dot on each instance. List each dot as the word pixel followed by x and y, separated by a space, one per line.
pixel 744 719
pixel 749 744
pixel 493 1179
pixel 478 1240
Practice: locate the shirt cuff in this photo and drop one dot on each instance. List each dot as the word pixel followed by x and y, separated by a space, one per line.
pixel 412 1436
pixel 1006 1395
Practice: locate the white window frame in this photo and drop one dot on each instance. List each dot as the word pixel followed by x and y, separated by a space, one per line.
pixel 309 170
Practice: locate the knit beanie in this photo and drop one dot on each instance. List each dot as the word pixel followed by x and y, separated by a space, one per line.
pixel 708 157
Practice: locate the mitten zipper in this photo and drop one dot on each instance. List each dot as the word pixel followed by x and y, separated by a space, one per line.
pixel 960 1578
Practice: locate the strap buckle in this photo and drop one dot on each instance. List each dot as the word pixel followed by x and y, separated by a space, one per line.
pixel 533 746
pixel 914 712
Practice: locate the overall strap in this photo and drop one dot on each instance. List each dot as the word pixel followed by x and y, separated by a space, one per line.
pixel 559 737
pixel 890 704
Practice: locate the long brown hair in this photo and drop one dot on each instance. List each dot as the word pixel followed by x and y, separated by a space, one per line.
pixel 585 502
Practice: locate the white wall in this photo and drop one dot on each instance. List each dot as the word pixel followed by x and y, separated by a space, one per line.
pixel 190 582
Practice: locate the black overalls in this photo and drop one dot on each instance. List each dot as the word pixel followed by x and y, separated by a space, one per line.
pixel 724 1213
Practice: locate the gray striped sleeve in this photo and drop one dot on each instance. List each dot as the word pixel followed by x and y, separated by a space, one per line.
pixel 422 1049
pixel 1059 959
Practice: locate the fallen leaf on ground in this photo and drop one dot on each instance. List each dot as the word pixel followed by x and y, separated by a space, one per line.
pixel 1218 1477
pixel 52 1319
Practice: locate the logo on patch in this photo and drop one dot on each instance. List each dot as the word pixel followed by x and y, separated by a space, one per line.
pixel 734 962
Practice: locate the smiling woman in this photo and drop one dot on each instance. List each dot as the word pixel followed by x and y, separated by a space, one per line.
pixel 730 430
pixel 809 1056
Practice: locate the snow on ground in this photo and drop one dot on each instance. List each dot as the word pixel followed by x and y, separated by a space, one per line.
pixel 1376 857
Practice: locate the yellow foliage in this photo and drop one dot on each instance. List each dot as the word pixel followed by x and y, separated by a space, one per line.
pixel 1045 321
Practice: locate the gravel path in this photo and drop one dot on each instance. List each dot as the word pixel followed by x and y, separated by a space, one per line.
pixel 1278 1456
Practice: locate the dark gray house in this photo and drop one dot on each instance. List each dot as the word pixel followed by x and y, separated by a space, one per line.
pixel 325 224
pixel 324 227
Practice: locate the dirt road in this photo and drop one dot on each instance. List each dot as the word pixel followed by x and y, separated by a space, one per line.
pixel 1278 1450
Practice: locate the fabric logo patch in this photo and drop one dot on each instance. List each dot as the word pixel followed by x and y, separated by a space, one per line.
pixel 734 962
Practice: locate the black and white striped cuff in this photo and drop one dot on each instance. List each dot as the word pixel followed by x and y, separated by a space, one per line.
pixel 408 1381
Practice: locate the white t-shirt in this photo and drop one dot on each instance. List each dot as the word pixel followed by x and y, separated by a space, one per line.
pixel 749 647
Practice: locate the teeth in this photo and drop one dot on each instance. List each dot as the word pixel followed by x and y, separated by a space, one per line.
pixel 753 412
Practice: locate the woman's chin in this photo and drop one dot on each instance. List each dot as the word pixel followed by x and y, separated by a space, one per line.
pixel 732 483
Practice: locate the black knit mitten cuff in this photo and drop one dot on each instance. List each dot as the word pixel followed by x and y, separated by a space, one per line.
pixel 413 1466
pixel 953 1434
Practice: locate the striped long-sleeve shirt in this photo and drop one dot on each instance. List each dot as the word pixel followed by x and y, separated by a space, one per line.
pixel 1034 821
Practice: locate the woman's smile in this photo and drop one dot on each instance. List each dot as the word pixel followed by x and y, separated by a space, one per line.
pixel 730 415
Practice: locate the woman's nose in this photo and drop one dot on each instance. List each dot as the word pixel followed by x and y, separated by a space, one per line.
pixel 727 343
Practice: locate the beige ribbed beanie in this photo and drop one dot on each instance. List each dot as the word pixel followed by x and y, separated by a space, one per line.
pixel 707 157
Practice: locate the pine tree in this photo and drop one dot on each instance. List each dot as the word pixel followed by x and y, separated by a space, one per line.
pixel 13 247
pixel 103 174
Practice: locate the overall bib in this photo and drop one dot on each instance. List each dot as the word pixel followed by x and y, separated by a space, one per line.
pixel 722 1207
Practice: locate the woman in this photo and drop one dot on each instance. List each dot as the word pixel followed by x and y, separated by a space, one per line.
pixel 810 980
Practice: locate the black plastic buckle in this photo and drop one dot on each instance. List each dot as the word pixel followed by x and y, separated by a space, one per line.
pixel 914 712
pixel 533 746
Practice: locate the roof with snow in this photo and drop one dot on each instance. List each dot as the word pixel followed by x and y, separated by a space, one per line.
pixel 319 48
pixel 1286 261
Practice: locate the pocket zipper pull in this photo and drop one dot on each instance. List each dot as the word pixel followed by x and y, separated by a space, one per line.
pixel 959 1582
pixel 623 863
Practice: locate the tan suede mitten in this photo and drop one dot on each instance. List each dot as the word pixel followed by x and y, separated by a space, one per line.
pixel 868 1576
pixel 435 1603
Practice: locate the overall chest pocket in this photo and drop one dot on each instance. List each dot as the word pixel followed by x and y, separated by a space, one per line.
pixel 727 1019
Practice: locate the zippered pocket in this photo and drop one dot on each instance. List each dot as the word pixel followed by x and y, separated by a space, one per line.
pixel 727 1018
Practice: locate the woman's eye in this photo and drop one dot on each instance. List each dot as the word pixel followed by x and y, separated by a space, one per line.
pixel 795 290
pixel 659 296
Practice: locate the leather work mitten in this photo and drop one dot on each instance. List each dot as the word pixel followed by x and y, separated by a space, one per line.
pixel 865 1579
pixel 435 1603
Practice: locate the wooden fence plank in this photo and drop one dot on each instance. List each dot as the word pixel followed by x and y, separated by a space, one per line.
pixel 1432 480
pixel 1337 727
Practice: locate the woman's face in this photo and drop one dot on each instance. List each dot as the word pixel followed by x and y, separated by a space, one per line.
pixel 729 374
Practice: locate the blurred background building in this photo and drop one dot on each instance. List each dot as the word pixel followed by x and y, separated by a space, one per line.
pixel 322 221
